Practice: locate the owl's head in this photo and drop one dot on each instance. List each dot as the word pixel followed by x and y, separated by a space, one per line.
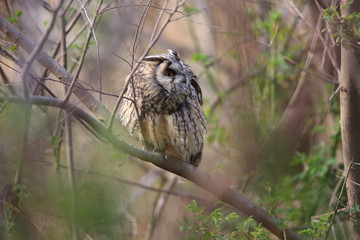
pixel 171 73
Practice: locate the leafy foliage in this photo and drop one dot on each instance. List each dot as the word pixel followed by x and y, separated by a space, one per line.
pixel 15 18
pixel 345 30
pixel 220 225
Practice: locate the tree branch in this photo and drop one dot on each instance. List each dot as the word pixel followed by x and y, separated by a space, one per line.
pixel 181 168
pixel 55 68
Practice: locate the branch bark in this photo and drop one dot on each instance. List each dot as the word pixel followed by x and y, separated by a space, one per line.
pixel 350 120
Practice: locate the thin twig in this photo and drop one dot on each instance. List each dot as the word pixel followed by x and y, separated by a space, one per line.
pixel 37 49
pixel 7 82
pixel 71 174
pixel 69 142
pixel 38 89
pixel 160 204
pixel 127 80
pixel 139 29
pixel 85 48
pixel 158 20
pixel 181 194
pixel 16 61
pixel 296 93
pixel 336 210
pixel 91 89
pixel 295 10
pixel 25 69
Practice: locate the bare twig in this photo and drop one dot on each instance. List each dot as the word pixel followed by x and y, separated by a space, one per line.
pixel 337 207
pixel 25 69
pixel 84 51
pixel 160 205
pixel 128 78
pixel 7 82
pixel 90 88
pixel 69 142
pixel 38 89
pixel 37 49
pixel 296 93
pixel 16 61
pixel 139 29
pixel 295 10
pixel 145 186
pixel 159 20
pixel 71 173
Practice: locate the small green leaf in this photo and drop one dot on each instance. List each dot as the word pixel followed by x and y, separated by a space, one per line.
pixel 13 48
pixel 190 9
pixel 16 17
pixel 201 57
pixel 18 13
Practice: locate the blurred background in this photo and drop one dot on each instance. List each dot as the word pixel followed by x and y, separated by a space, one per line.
pixel 268 70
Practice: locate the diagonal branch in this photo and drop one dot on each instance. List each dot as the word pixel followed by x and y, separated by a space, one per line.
pixel 195 175
pixel 18 38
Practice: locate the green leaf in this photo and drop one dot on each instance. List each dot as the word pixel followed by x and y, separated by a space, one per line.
pixel 16 17
pixel 202 57
pixel 13 48
pixel 190 9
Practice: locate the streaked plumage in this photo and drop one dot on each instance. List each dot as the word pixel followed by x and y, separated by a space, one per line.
pixel 162 107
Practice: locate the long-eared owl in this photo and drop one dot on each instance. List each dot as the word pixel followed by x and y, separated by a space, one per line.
pixel 162 107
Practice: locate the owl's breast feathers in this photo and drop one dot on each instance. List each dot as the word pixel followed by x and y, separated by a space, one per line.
pixel 177 133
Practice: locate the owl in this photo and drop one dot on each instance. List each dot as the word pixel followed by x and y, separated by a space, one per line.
pixel 162 106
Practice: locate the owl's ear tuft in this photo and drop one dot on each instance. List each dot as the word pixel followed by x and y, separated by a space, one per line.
pixel 174 53
pixel 154 60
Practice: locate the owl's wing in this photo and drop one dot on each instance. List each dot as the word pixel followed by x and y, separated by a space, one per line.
pixel 196 85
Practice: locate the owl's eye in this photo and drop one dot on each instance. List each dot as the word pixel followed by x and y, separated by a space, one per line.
pixel 169 73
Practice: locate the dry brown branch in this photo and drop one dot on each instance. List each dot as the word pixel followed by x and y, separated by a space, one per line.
pixel 195 175
pixel 18 38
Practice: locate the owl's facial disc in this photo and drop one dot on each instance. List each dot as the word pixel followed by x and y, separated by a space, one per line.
pixel 171 77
